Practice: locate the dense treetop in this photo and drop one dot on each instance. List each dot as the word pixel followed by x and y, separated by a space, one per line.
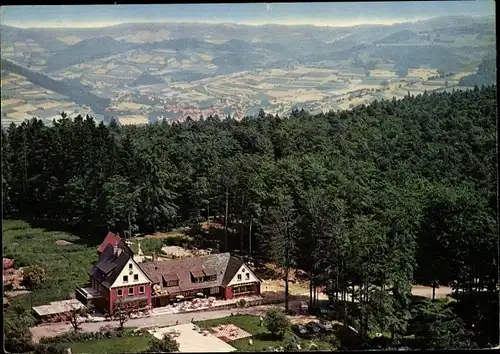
pixel 385 194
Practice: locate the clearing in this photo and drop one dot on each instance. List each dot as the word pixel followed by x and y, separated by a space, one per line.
pixel 66 267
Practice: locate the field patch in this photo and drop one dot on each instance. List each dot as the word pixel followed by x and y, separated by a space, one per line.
pixel 133 119
pixel 18 115
pixel 69 39
pixel 142 58
pixel 130 106
pixel 26 108
pixel 10 101
pixel 461 75
pixel 50 104
pixel 205 57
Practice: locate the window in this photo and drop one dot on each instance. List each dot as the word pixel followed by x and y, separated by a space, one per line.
pixel 141 289
pixel 130 291
pixel 125 278
pixel 247 276
pixel 239 276
pixel 130 266
pixel 136 277
pixel 214 290
pixel 243 270
pixel 243 289
pixel 120 292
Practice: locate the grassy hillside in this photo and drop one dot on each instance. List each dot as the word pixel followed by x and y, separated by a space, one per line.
pixel 66 266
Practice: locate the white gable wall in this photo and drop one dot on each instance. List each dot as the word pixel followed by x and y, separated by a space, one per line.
pixel 143 279
pixel 247 276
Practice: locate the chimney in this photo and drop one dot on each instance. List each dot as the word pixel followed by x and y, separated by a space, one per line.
pixel 117 250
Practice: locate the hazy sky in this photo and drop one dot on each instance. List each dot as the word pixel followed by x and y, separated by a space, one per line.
pixel 321 13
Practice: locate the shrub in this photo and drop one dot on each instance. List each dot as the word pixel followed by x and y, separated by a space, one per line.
pixel 72 337
pixel 77 337
pixel 33 276
pixel 44 348
pixel 17 336
pixel 333 340
pixel 290 343
pixel 276 322
pixel 165 345
pixel 242 303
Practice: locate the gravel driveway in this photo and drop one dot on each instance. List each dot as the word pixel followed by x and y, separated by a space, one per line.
pixel 54 329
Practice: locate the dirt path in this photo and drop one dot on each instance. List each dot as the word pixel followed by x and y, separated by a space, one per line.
pixel 426 291
pixel 52 330
pixel 302 289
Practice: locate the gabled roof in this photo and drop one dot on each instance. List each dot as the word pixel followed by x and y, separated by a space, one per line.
pixel 223 265
pixel 233 266
pixel 110 239
pixel 111 262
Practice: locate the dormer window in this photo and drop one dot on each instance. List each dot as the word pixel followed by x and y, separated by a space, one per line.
pixel 211 278
pixel 170 280
pixel 172 283
pixel 197 276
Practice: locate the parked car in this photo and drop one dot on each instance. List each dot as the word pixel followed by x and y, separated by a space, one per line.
pixel 325 326
pixel 304 331
pixel 314 327
pixel 300 329
pixel 303 308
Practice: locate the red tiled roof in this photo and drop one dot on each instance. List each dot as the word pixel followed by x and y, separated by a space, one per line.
pixel 111 239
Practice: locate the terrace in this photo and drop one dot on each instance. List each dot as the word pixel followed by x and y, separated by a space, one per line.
pixel 86 294
pixel 57 308
pixel 194 340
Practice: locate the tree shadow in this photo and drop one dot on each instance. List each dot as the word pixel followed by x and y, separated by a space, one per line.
pixel 87 236
pixel 349 339
pixel 266 336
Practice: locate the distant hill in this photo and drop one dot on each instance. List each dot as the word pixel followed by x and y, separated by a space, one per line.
pixel 486 74
pixel 75 92
pixel 89 49
pixel 10 35
pixel 408 56
pixel 399 37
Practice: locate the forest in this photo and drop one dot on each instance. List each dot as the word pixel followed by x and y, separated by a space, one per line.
pixel 366 201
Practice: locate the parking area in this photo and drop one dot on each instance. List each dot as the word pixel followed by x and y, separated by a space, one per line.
pixel 193 340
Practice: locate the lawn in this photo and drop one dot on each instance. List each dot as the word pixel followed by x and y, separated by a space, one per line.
pixel 262 339
pixel 66 266
pixel 134 344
